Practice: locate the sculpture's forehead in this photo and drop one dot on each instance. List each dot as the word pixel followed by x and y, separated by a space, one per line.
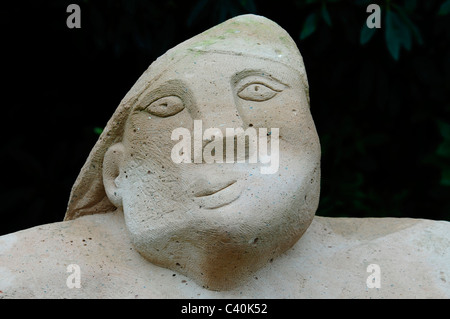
pixel 246 35
pixel 243 42
pixel 195 67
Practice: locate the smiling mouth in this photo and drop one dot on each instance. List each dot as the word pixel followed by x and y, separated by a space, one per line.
pixel 213 190
pixel 219 195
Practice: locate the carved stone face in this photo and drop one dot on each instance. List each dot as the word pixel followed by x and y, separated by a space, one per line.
pixel 216 222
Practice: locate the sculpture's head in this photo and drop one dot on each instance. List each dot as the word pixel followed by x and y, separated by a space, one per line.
pixel 214 222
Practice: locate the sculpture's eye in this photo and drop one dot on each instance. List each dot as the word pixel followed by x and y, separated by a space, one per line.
pixel 165 106
pixel 257 92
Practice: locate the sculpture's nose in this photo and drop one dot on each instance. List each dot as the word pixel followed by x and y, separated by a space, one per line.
pixel 221 114
pixel 218 111
pixel 216 105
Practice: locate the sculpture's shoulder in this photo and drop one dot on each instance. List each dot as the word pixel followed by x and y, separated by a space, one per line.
pixel 34 262
pixel 412 256
pixel 367 229
pixel 46 261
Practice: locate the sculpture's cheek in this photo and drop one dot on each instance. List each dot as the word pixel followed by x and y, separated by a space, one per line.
pixel 150 137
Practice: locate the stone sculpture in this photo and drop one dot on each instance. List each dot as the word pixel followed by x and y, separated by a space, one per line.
pixel 181 198
pixel 214 222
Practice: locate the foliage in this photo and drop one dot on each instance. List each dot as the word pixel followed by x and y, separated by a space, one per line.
pixel 382 153
pixel 379 98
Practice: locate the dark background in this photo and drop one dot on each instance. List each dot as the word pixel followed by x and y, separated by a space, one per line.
pixel 380 100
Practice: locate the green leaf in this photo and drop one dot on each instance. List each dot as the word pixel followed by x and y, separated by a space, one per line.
pixel 98 130
pixel 406 39
pixel 404 15
pixel 444 129
pixel 326 14
pixel 392 40
pixel 366 34
pixel 445 8
pixel 309 26
pixel 445 177
pixel 416 33
pixel 444 149
pixel 397 34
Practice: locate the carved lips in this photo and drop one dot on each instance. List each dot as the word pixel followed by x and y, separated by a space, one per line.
pixel 213 196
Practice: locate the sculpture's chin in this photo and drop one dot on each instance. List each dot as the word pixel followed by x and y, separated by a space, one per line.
pixel 218 256
pixel 215 264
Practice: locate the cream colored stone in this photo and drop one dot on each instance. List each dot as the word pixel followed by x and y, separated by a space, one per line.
pixel 217 223
pixel 329 261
